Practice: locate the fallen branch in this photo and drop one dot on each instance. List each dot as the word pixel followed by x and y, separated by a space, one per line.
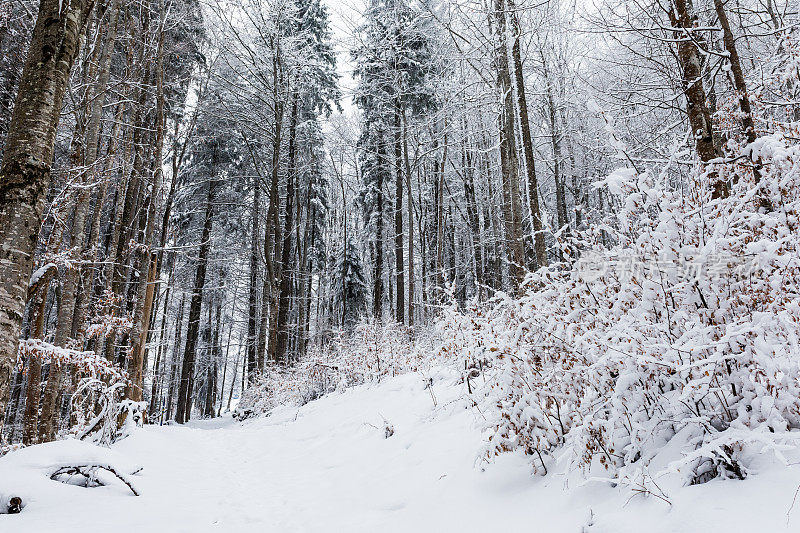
pixel 89 471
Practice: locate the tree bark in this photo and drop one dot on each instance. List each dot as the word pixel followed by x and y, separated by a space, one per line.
pixel 173 372
pixel 87 242
pixel 509 161
pixel 410 207
pixel 472 213
pixel 699 114
pixel 184 409
pixel 149 261
pixel 27 159
pixel 252 301
pixel 155 390
pixel 285 286
pixel 399 315
pixel 555 143
pixel 540 251
pixel 377 281
pixel 739 83
pixel 34 389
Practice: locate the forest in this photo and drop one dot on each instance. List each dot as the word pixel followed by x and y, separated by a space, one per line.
pixel 578 219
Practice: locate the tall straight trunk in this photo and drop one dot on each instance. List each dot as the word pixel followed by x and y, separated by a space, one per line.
pixel 252 301
pixel 472 212
pixel 739 83
pixel 540 251
pixel 424 240
pixel 93 126
pixel 306 266
pixel 512 213
pixel 268 305
pixel 141 318
pixel 211 378
pixel 377 281
pixel 34 388
pixel 211 390
pixel 399 315
pixel 494 266
pixel 173 372
pixel 184 409
pixel 235 375
pixel 123 189
pixel 48 416
pixel 227 354
pixel 33 392
pixel 126 228
pixel 555 142
pixel 699 114
pixel 284 297
pixel 158 379
pixel 272 239
pixel 27 159
pixel 150 261
pixel 440 218
pixel 305 263
pixel 411 280
pixel 579 195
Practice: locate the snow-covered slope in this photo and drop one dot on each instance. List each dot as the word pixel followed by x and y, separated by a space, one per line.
pixel 328 466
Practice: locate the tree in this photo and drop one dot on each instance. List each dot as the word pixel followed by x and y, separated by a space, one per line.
pixel 393 65
pixel 27 159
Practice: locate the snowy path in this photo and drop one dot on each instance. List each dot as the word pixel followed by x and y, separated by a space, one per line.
pixel 327 467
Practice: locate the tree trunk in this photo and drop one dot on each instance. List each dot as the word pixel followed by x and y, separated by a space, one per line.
pixel 748 125
pixel 540 251
pixel 555 142
pixel 95 112
pixel 285 287
pixel 149 265
pixel 173 372
pixel 184 409
pixel 34 389
pixel 377 281
pixel 272 239
pixel 27 159
pixel 699 114
pixel 155 390
pixel 508 152
pixel 252 301
pixel 211 378
pixel 399 315
pixel 472 213
pixel 440 217
pixel 411 280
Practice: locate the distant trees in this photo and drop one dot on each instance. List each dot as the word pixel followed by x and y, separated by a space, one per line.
pixel 393 65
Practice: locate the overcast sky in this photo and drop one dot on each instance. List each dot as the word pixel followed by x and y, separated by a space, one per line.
pixel 345 17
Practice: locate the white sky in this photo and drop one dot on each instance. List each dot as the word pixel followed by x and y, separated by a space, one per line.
pixel 345 17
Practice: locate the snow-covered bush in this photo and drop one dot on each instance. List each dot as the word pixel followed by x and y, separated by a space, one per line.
pixel 686 331
pixel 366 353
pixel 101 412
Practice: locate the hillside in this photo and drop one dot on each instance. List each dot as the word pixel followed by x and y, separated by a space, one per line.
pixel 328 466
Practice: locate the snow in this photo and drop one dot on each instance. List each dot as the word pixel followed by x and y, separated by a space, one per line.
pixel 327 466
pixel 39 273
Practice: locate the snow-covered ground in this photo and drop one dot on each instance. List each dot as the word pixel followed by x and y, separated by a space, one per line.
pixel 328 466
